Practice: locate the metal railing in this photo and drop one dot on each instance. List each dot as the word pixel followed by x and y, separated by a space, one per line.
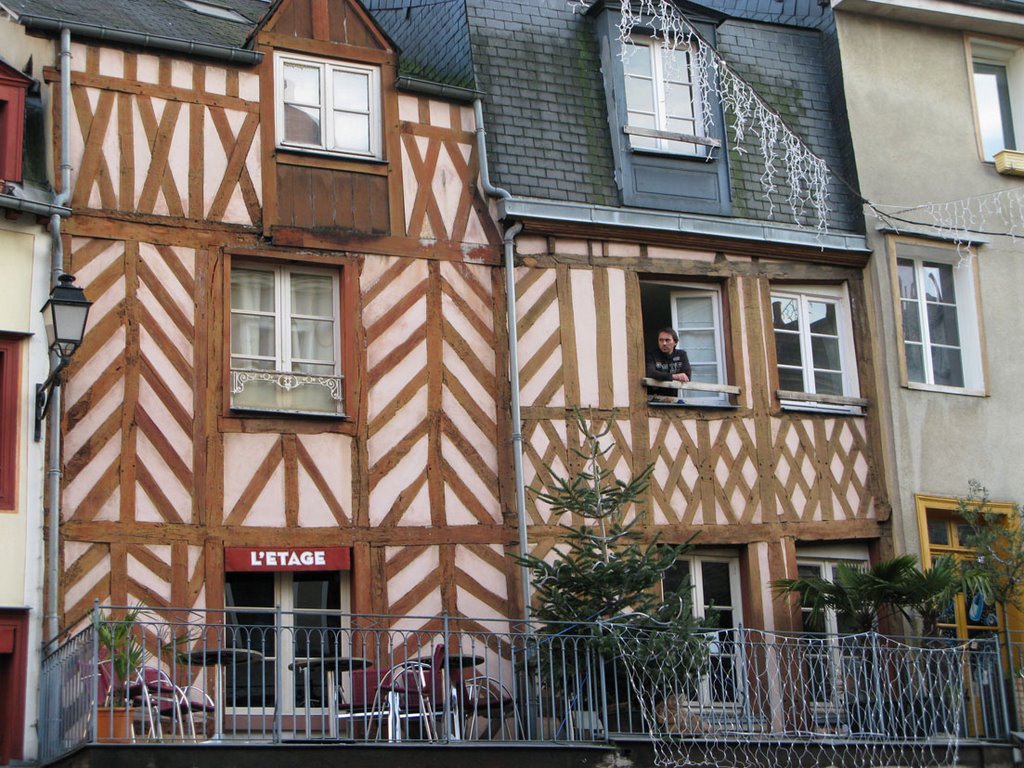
pixel 292 676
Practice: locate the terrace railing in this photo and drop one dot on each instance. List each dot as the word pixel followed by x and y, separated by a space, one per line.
pixel 277 676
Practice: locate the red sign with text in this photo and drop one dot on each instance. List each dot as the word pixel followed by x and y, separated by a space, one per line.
pixel 287 558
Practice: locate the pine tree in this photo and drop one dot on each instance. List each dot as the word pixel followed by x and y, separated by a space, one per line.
pixel 603 579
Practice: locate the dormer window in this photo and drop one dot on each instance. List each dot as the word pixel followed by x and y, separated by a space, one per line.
pixel 328 106
pixel 663 111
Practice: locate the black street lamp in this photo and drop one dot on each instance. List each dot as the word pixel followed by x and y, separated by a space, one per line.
pixel 64 315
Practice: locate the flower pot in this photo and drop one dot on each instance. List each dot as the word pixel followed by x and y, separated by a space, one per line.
pixel 114 725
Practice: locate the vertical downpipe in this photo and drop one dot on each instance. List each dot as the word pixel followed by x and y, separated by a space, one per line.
pixel 53 472
pixel 508 243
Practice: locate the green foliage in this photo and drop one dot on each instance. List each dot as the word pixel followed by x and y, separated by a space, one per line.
pixel 121 644
pixel 997 569
pixel 603 571
pixel 861 596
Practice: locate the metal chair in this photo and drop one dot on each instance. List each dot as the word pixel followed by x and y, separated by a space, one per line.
pixel 490 700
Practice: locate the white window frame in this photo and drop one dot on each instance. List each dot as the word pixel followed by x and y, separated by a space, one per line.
pixel 720 637
pixel 283 374
pixel 836 295
pixel 828 649
pixel 967 303
pixel 714 293
pixel 1008 57
pixel 326 67
pixel 284 598
pixel 661 138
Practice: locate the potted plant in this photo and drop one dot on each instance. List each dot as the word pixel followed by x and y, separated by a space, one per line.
pixel 121 656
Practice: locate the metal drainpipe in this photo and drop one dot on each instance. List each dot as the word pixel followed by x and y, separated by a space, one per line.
pixel 508 243
pixel 53 473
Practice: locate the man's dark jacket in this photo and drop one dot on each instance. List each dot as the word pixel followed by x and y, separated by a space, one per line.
pixel 661 367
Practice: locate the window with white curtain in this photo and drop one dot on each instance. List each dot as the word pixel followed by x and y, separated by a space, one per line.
pixel 697 318
pixel 285 340
pixel 327 105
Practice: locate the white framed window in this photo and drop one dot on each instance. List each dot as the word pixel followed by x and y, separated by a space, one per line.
pixel 814 345
pixel 715 596
pixel 662 105
pixel 997 71
pixel 823 658
pixel 941 340
pixel 697 318
pixel 285 339
pixel 330 106
pixel 312 605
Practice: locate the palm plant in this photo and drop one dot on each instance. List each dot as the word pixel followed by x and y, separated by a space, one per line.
pixel 120 642
pixel 864 596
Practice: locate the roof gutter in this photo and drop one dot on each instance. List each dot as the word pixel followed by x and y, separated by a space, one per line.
pixel 430 88
pixel 161 42
pixel 508 241
pixel 13 203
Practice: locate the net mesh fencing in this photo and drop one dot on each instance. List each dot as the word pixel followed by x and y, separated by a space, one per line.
pixel 738 697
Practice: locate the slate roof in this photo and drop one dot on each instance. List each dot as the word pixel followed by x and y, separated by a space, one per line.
pixel 164 18
pixel 433 37
pixel 546 114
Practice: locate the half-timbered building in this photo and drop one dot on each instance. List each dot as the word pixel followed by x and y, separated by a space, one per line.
pixel 294 390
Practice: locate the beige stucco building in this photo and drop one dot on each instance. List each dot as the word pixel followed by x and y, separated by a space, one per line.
pixel 933 90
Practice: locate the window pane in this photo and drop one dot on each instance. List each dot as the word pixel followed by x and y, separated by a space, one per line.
pixel 312 295
pixel 991 90
pixel 938 532
pixel 699 346
pixel 911 321
pixel 938 282
pixel 679 101
pixel 315 369
pixel 301 84
pixel 828 383
pixel 706 373
pixel 313 340
pixel 791 379
pixel 252 290
pixel 908 285
pixel 695 311
pixel 302 124
pixel 352 132
pixel 947 366
pixel 352 91
pixel 914 354
pixel 715 580
pixel 638 60
pixel 787 348
pixel 806 570
pixel 942 325
pixel 676 576
pixel 678 125
pixel 825 351
pixel 252 335
pixel 785 314
pixel 676 64
pixel 822 317
pixel 639 95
